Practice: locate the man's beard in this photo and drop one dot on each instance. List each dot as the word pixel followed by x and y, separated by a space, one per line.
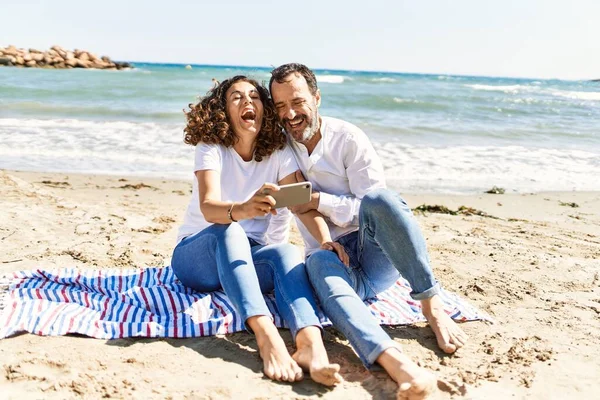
pixel 311 129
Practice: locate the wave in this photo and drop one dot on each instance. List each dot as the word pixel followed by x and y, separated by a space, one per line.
pixel 33 108
pixel 384 80
pixel 467 169
pixel 513 89
pixel 79 124
pixel 412 101
pixel 331 78
pixel 594 96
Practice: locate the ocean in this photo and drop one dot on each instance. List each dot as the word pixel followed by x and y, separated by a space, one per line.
pixel 434 133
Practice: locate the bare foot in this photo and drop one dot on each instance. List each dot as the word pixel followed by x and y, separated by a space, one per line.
pixel 277 362
pixel 449 336
pixel 316 362
pixel 414 382
pixel 312 356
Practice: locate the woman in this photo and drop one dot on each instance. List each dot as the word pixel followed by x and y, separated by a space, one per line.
pixel 239 149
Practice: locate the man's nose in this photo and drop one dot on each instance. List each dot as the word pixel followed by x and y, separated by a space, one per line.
pixel 290 113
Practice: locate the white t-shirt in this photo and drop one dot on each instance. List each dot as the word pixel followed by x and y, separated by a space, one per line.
pixel 239 181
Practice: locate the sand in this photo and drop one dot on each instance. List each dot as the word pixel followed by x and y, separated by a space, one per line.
pixel 532 261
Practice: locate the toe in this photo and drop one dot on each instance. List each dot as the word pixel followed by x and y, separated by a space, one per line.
pixel 269 371
pixel 448 347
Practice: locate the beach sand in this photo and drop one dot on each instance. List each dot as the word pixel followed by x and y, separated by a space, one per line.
pixel 533 263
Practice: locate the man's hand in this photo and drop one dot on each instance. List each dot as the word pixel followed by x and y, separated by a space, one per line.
pixel 313 204
pixel 339 249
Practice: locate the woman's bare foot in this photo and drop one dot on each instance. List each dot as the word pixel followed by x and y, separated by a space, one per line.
pixel 449 336
pixel 277 362
pixel 312 356
pixel 414 382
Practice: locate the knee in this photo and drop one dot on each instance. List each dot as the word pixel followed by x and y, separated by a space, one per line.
pixel 381 201
pixel 229 231
pixel 290 255
pixel 315 264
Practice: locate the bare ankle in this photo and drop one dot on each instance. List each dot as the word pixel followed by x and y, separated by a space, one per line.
pixel 309 336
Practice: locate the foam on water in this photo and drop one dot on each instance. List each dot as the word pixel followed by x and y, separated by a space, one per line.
pixel 514 89
pixel 331 78
pixel 467 169
pixel 595 96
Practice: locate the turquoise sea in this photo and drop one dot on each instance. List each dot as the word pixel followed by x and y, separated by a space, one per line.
pixel 434 133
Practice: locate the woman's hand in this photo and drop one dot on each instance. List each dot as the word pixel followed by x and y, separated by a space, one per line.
pixel 260 204
pixel 339 249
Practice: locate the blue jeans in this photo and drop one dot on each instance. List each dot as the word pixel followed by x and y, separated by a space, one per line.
pixel 222 256
pixel 388 244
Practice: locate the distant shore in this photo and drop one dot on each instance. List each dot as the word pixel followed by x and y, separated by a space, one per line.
pixel 58 58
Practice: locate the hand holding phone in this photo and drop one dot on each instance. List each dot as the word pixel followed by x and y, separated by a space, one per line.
pixel 291 195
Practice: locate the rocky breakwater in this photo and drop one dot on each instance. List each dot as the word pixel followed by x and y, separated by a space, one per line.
pixel 56 57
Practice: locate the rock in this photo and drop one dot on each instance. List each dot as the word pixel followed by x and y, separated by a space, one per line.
pixel 10 51
pixel 122 65
pixel 56 57
pixel 496 190
pixel 82 63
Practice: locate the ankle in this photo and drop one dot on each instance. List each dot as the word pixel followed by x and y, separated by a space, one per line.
pixel 432 305
pixel 262 327
pixel 308 337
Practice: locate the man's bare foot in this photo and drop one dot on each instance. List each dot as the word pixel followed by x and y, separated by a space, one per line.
pixel 414 382
pixel 449 336
pixel 312 356
pixel 277 362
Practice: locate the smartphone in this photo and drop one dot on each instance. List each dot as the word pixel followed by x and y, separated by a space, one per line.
pixel 292 194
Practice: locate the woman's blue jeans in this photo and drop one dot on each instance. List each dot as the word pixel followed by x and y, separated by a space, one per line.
pixel 222 256
pixel 388 244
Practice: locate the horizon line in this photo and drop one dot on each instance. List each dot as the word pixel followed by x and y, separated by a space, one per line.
pixel 365 70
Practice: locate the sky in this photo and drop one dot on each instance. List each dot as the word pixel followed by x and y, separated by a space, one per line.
pixel 512 38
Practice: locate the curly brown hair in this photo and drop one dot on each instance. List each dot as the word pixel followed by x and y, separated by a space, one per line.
pixel 207 121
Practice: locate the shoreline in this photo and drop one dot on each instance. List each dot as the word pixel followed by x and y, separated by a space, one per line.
pixel 412 194
pixel 532 264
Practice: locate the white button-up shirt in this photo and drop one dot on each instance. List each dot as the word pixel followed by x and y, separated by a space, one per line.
pixel 343 167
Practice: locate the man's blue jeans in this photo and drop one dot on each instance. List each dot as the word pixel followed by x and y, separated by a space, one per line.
pixel 222 256
pixel 388 244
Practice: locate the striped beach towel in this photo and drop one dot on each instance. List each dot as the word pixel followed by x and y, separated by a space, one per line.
pixel 151 302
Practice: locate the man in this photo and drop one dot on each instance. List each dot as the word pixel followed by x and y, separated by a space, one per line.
pixel 372 224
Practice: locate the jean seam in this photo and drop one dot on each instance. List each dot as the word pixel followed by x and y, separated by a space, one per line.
pixel 364 276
